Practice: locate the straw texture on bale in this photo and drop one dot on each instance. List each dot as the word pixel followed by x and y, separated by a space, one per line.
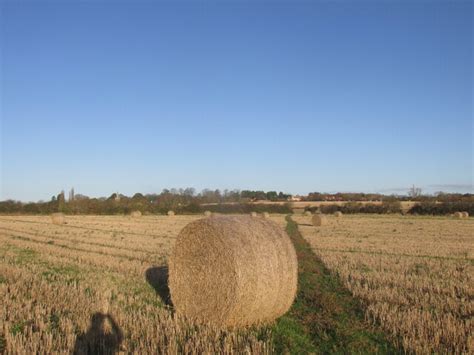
pixel 338 214
pixel 253 214
pixel 458 215
pixel 208 213
pixel 308 213
pixel 233 271
pixel 465 214
pixel 136 214
pixel 171 213
pixel 58 218
pixel 319 220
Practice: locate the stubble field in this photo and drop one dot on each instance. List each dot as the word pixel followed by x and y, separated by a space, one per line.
pixel 63 287
pixel 414 275
pixel 100 282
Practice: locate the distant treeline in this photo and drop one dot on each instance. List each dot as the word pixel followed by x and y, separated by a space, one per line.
pixel 180 201
pixel 356 207
pixel 412 196
pixel 432 208
pixel 420 208
pixel 340 196
pixel 235 201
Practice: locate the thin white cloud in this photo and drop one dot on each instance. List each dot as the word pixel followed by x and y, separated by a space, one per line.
pixel 452 186
pixel 394 189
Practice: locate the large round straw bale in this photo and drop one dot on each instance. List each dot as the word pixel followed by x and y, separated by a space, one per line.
pixel 208 213
pixel 338 214
pixel 136 214
pixel 458 215
pixel 465 214
pixel 307 213
pixel 171 213
pixel 58 218
pixel 253 214
pixel 265 215
pixel 319 220
pixel 233 271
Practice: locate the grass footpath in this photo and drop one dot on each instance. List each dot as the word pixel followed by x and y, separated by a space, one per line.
pixel 325 318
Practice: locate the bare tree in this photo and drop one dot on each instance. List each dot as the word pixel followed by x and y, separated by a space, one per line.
pixel 414 191
pixel 71 194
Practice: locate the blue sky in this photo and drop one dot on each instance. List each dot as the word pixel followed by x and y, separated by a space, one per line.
pixel 301 96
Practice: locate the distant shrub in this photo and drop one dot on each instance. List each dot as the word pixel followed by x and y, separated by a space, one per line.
pixel 327 209
pixel 192 208
pixel 246 208
pixel 439 209
pixel 357 207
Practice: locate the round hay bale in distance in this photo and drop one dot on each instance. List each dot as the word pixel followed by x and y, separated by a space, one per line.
pixel 58 218
pixel 233 271
pixel 338 214
pixel 458 215
pixel 319 220
pixel 208 213
pixel 265 215
pixel 465 214
pixel 253 214
pixel 135 214
pixel 308 213
pixel 171 213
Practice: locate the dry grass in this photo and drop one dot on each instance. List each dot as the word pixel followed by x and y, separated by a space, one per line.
pixel 60 284
pixel 233 271
pixel 415 275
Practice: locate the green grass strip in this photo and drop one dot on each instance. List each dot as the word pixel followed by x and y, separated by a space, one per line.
pixel 325 318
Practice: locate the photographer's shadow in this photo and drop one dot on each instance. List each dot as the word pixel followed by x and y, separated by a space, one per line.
pixel 103 337
pixel 157 277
